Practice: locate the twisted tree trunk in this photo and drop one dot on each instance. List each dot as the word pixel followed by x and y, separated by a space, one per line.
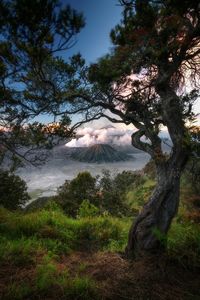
pixel 148 233
pixel 155 219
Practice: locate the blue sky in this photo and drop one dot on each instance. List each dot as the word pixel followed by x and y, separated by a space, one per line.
pixel 101 16
pixel 94 39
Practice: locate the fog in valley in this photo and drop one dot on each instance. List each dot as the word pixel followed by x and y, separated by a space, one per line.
pixel 61 165
pixel 44 180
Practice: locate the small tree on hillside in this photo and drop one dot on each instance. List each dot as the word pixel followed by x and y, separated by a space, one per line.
pixel 72 193
pixel 13 191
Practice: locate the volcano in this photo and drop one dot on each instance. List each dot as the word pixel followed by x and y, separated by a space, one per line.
pixel 99 153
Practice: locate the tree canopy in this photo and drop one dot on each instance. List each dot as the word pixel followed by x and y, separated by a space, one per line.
pixel 34 76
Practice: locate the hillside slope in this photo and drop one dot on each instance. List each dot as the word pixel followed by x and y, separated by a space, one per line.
pixel 99 153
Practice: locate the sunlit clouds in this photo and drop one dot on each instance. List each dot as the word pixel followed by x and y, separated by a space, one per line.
pixel 107 135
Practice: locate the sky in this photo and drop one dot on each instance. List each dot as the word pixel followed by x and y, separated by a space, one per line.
pixel 100 16
pixel 94 41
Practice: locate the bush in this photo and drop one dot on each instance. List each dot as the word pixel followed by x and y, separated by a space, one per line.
pixel 86 209
pixel 13 190
pixel 112 192
pixel 72 193
pixel 107 194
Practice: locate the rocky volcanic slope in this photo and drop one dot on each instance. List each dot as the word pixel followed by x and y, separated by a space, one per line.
pixel 99 153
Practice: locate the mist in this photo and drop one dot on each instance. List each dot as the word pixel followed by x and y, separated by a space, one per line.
pixel 44 180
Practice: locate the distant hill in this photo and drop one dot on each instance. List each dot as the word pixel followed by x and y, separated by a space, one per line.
pixel 99 153
pixel 38 203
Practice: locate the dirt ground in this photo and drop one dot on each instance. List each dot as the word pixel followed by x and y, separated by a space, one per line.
pixel 118 278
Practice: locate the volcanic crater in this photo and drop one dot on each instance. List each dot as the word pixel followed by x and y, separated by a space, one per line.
pixel 99 153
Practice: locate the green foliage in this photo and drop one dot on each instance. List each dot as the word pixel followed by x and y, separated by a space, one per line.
pixel 22 251
pixel 112 191
pixel 192 174
pixel 140 194
pixel 46 274
pixel 106 193
pixel 42 240
pixel 13 190
pixel 33 75
pixel 49 280
pixel 24 238
pixel 100 232
pixel 72 193
pixel 86 209
pixel 184 243
pixel 52 231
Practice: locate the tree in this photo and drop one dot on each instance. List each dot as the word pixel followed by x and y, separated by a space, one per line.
pixel 150 80
pixel 72 193
pixel 33 79
pixel 113 191
pixel 107 193
pixel 13 191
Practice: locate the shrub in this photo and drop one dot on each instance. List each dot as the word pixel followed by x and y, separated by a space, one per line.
pixel 72 193
pixel 112 196
pixel 107 194
pixel 86 209
pixel 99 232
pixel 13 190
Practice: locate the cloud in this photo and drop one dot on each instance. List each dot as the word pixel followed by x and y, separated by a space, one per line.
pixel 110 135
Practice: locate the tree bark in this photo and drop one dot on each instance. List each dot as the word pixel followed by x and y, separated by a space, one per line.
pixel 148 233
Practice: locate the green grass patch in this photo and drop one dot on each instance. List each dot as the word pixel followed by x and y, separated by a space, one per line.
pixel 49 277
pixel 184 243
pixel 19 252
pixel 51 230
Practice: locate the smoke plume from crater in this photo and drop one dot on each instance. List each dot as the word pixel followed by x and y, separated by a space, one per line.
pixel 107 135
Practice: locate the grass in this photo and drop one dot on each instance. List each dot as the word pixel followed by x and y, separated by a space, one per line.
pixel 184 243
pixel 37 242
pixel 17 291
pixel 51 230
pixel 51 281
